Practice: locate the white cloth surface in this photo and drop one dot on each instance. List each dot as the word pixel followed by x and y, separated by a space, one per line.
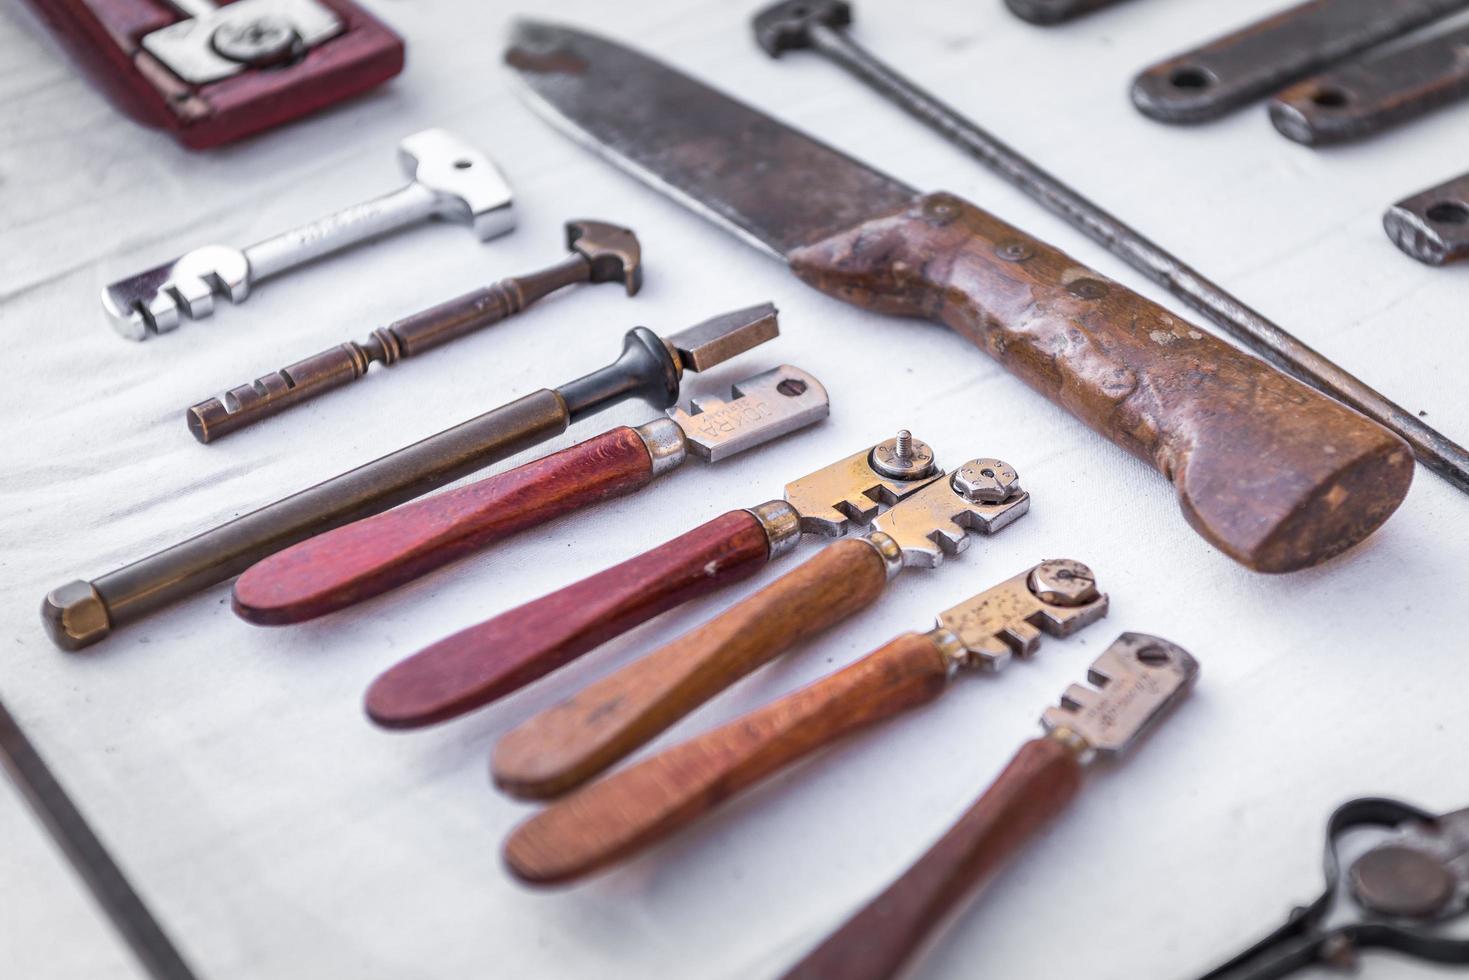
pixel 278 834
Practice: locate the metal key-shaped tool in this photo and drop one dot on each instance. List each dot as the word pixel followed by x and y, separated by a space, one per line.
pixel 485 662
pixel 1375 92
pixel 650 368
pixel 369 557
pixel 1264 57
pixel 1432 226
pixel 600 252
pixel 449 179
pixel 567 745
pixel 1397 878
pixel 614 818
pixel 1137 680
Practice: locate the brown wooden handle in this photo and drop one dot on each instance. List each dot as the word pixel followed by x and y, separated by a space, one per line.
pixel 1272 472
pixel 339 568
pixel 874 943
pixel 566 745
pixel 616 817
pixel 482 663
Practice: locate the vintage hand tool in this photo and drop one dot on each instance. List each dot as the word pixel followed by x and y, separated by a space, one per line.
pixel 565 746
pixel 1404 888
pixel 599 253
pixel 1432 226
pixel 449 179
pixel 623 814
pixel 650 368
pixel 801 24
pixel 482 663
pixel 224 71
pixel 1137 680
pixel 1276 475
pixel 1054 11
pixel 1259 60
pixel 1377 91
pixel 369 557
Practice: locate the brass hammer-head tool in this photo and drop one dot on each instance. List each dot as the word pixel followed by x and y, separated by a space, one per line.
pixel 1135 683
pixel 650 368
pixel 614 716
pixel 600 252
pixel 613 818
pixel 339 568
pixel 482 663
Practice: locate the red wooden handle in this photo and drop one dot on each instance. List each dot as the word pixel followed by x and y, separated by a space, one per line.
pixel 368 557
pixel 618 816
pixel 485 662
pixel 875 943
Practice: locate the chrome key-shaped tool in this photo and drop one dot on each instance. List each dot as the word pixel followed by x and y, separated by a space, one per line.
pixel 448 179
pixel 369 557
pixel 485 662
pixel 614 716
pixel 616 817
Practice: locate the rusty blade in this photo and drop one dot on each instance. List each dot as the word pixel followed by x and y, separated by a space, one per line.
pixel 713 154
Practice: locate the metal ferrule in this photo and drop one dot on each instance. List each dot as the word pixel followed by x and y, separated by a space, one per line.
pixel 665 444
pixel 782 526
pixel 1074 743
pixel 950 648
pixel 889 550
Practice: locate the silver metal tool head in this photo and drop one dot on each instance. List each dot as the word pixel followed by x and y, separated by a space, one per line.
pixel 786 26
pixel 851 491
pixel 151 301
pixel 716 340
pixel 1136 680
pixel 714 155
pixel 760 409
pixel 469 187
pixel 934 523
pixel 219 41
pixel 1008 619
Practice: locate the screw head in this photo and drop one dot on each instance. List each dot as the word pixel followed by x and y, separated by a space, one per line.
pixel 259 41
pixel 903 457
pixel 1063 582
pixel 987 481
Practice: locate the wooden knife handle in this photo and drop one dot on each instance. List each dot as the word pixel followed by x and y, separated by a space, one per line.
pixel 874 943
pixel 482 663
pixel 616 817
pixel 563 747
pixel 1272 472
pixel 369 557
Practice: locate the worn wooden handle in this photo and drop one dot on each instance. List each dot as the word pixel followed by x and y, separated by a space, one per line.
pixel 875 943
pixel 1272 472
pixel 566 745
pixel 616 817
pixel 482 663
pixel 369 557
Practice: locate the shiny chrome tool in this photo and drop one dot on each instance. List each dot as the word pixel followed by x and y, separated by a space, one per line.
pixel 448 179
pixel 218 41
pixel 1135 683
pixel 614 818
pixel 485 662
pixel 366 558
pixel 650 368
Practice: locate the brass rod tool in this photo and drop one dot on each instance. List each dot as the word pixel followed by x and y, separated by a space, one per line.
pixel 566 745
pixel 483 663
pixel 616 817
pixel 1136 681
pixel 650 368
pixel 1273 473
pixel 600 252
pixel 819 25
pixel 339 568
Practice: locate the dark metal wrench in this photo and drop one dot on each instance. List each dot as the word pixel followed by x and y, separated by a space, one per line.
pixel 1433 225
pixel 818 24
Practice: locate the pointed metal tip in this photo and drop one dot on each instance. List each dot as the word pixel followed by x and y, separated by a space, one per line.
pixel 720 338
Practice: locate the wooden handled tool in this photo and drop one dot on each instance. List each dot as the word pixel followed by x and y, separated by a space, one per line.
pixel 565 746
pixel 630 810
pixel 482 663
pixel 1137 679
pixel 337 569
pixel 1275 474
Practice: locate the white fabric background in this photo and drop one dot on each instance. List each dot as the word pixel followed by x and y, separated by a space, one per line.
pixel 278 834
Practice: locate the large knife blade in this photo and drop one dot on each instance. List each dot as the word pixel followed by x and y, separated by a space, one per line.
pixel 1275 474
